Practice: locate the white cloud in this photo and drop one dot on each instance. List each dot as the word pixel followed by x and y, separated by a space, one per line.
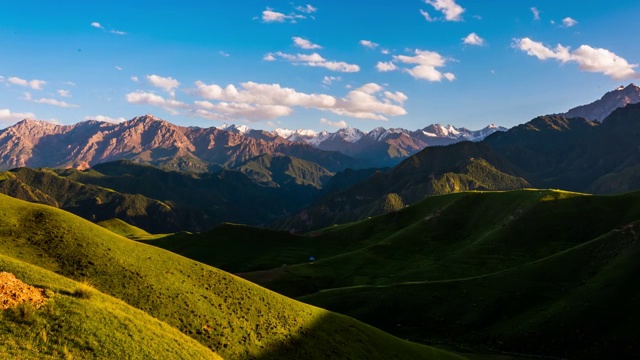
pixel 304 43
pixel 55 102
pixel 7 116
pixel 385 51
pixel 270 16
pixel 70 83
pixel 382 66
pixel 105 119
pixel 426 16
pixel 337 124
pixel 269 57
pixel 223 53
pixel 536 13
pixel 146 98
pixel 64 93
pixel 588 59
pixel 97 25
pixel 167 84
pixel 426 63
pixel 451 10
pixel 473 39
pixel 397 96
pixel 328 80
pixel 33 84
pixel 315 60
pixel 569 22
pixel 119 68
pixel 359 103
pixel 369 44
pixel 251 112
pixel 135 79
pixel 308 9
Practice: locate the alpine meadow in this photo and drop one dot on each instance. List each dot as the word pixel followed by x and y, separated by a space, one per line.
pixel 428 179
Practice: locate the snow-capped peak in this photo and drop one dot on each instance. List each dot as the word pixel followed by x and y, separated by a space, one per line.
pixel 349 134
pixel 241 129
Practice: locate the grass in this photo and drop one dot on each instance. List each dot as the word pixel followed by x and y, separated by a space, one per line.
pixel 98 327
pixel 517 271
pixel 225 314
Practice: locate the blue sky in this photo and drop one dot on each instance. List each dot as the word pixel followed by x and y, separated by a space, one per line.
pixel 305 65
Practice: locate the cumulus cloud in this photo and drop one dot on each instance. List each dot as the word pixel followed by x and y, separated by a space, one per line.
pixel 449 8
pixel 33 84
pixel 337 124
pixel 397 96
pixel 382 66
pixel 426 63
pixel 304 43
pixel 251 112
pixel 167 84
pixel 363 102
pixel 63 93
pixel 473 39
pixel 147 98
pixel 54 102
pixel 135 79
pixel 7 116
pixel 569 22
pixel 369 44
pixel 105 119
pixel 588 58
pixel 314 60
pixel 536 13
pixel 97 25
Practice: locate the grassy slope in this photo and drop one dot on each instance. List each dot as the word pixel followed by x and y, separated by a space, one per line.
pixel 580 303
pixel 226 314
pixel 127 230
pixel 97 327
pixel 466 264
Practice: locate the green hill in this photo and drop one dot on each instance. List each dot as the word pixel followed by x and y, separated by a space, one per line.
pixel 454 261
pixel 226 314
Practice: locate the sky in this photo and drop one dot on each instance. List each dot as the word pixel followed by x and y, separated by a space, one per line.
pixel 313 64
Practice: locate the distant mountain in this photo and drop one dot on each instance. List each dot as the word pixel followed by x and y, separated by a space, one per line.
pixel 600 109
pixel 385 147
pixel 147 139
pixel 547 152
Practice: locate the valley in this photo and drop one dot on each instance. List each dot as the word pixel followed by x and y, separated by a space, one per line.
pixel 436 180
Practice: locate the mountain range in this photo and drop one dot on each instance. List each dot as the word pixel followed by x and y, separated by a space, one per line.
pixel 547 152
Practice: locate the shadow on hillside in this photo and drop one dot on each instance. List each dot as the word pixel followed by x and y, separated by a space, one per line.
pixel 335 336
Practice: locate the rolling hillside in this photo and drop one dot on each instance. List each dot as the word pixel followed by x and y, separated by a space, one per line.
pixel 518 269
pixel 225 314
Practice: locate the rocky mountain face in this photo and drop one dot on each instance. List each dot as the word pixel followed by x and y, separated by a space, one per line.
pixel 147 139
pixel 600 109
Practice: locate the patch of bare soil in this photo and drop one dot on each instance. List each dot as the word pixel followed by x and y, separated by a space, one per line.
pixel 14 292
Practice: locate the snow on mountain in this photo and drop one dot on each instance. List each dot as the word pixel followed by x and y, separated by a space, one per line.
pixel 238 129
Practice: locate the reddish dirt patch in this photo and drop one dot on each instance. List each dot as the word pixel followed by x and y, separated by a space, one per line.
pixel 13 292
